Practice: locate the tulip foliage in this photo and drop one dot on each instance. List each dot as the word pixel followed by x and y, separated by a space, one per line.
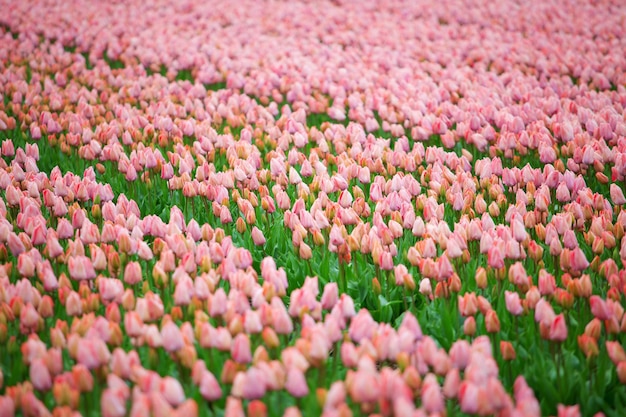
pixel 394 208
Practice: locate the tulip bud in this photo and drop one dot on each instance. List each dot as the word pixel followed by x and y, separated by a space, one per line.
pixel 412 378
pixel 176 313
pixel 230 369
pixel 187 356
pixel 507 350
pixel 240 225
pixel 492 322
pixel 454 283
pixel 481 278
pixel 588 345
pixel 469 326
pixel 270 338
pixel 376 286
pixel 46 307
pixel 409 282
pixel 257 408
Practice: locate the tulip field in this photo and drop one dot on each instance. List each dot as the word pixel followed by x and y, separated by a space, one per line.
pixel 312 208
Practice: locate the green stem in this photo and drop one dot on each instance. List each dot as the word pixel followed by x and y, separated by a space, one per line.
pixel 343 285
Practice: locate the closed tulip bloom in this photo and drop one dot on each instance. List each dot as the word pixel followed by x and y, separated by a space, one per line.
pixel 495 257
pixel 249 385
pixel 615 351
pixel 172 391
pixel 547 283
pixel 363 387
pixel 468 304
pixel 362 326
pixel 517 274
pixel 558 329
pixel 240 349
pixel 425 287
pixel 588 345
pixel 257 236
pixel 29 318
pixel 578 261
pixel 432 398
pixel 159 405
pixel 73 304
pixel 133 324
pixel 492 322
pixel 209 387
pixel 451 383
pixel 513 303
pixel 507 350
pixel 296 383
pixel 132 273
pixel 39 375
pixel 113 403
pixel 330 296
pixel 305 251
pixel 617 194
pixel 469 326
pixel 599 308
pixel 81 268
pixel 172 337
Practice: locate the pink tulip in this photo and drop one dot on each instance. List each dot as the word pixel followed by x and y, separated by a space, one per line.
pixel 249 385
pixel 432 398
pixel 209 387
pixel 172 391
pixel 92 353
pixel 240 349
pixel 73 304
pixel 599 308
pixel 617 195
pixel 81 268
pixel 547 283
pixel 16 246
pixel 615 351
pixel 39 375
pixel 296 383
pixel 495 257
pixel 7 407
pixel 132 273
pixel 330 296
pixel 29 318
pixel 363 387
pixel 558 329
pixel 140 406
pixel 172 337
pixel 234 407
pixel 362 326
pixel 578 261
pixel 513 303
pixel 568 411
pixel 257 236
pixel 451 383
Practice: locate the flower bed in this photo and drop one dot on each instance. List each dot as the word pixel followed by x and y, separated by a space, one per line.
pixel 328 208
